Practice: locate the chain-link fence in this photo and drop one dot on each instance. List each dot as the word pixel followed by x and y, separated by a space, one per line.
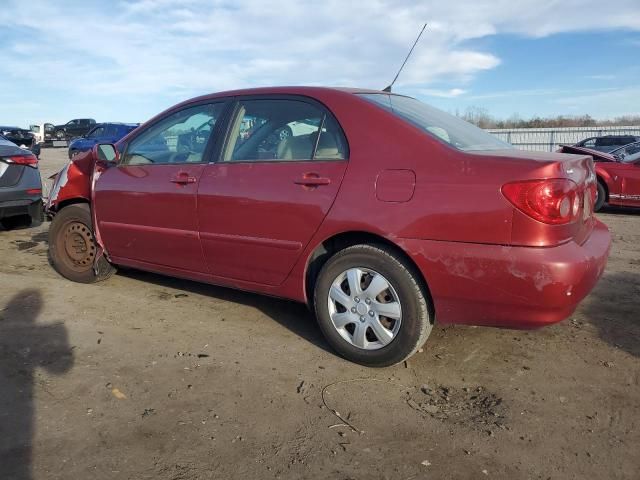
pixel 549 139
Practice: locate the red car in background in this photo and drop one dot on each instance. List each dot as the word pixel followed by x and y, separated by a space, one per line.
pixel 384 215
pixel 617 172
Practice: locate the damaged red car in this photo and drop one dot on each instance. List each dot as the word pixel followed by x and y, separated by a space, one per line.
pixel 617 174
pixel 383 214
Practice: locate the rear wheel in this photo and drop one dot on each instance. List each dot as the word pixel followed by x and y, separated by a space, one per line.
pixel 72 246
pixel 371 307
pixel 601 196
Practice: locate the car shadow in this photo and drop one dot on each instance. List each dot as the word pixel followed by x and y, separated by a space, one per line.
pixel 22 222
pixel 294 316
pixel 613 309
pixel 25 346
pixel 615 210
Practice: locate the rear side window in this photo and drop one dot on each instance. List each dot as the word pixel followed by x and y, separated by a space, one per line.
pixel 283 130
pixel 436 123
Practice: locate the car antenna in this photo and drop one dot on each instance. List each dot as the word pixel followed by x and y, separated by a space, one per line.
pixel 388 89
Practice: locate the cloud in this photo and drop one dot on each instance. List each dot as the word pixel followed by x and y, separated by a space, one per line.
pixel 172 49
pixel 433 92
pixel 601 77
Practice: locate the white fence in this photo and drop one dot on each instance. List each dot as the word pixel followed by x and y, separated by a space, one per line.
pixel 549 139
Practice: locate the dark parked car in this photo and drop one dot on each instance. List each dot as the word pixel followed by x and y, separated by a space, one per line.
pixel 20 136
pixel 73 128
pixel 101 133
pixel 382 227
pixel 20 187
pixel 607 143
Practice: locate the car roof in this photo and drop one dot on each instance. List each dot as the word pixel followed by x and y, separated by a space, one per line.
pixel 622 135
pixel 284 90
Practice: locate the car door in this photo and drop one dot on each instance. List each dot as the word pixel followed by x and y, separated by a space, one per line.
pixel 146 205
pixel 629 169
pixel 274 182
pixel 71 128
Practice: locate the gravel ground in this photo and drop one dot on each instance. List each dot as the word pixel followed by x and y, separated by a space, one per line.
pixel 147 377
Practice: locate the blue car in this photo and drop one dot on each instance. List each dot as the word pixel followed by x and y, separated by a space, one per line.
pixel 101 133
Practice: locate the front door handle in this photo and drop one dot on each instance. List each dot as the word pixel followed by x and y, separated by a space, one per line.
pixel 312 180
pixel 183 178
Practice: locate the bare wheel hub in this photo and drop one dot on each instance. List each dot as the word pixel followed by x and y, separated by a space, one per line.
pixel 79 245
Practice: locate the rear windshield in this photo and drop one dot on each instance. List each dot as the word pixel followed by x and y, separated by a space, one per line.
pixel 447 128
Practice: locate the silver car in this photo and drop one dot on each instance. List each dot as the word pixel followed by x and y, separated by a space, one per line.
pixel 20 186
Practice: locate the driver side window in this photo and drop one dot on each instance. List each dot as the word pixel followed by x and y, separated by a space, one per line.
pixel 96 132
pixel 179 138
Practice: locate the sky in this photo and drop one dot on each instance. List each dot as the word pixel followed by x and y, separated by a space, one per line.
pixel 127 60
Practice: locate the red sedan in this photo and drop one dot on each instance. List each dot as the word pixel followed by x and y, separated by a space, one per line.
pixel 617 172
pixel 380 212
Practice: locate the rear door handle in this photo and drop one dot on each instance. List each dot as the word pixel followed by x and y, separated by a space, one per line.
pixel 183 178
pixel 312 180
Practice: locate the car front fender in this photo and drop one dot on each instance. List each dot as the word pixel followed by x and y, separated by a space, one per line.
pixel 73 182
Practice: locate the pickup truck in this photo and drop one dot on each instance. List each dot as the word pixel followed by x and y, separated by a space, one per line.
pixel 73 128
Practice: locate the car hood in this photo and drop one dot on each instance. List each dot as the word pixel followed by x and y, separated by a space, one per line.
pixel 83 142
pixel 597 155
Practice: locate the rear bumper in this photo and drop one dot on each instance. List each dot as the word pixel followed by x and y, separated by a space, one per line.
pixel 513 287
pixel 30 206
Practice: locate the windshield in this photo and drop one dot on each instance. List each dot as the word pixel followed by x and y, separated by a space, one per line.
pixel 628 154
pixel 438 124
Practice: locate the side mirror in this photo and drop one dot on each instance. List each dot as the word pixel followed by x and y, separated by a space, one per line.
pixel 106 154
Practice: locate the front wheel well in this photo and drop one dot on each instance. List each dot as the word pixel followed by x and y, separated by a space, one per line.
pixel 605 186
pixel 70 201
pixel 336 243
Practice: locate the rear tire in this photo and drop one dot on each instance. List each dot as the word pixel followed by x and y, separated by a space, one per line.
pixel 600 197
pixel 383 340
pixel 72 246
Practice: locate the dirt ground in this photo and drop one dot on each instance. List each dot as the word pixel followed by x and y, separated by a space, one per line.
pixel 146 377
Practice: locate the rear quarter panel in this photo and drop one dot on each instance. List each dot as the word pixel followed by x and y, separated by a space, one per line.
pixel 457 195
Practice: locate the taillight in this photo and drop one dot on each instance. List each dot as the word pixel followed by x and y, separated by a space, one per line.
pixel 29 160
pixel 555 201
